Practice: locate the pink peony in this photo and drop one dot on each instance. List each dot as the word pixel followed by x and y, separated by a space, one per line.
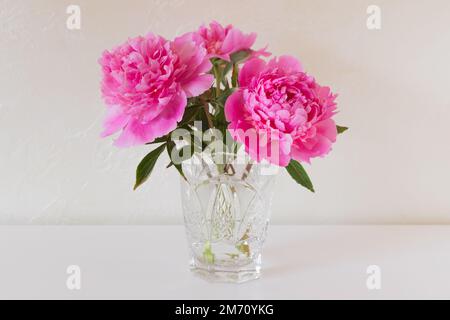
pixel 285 108
pixel 146 83
pixel 221 41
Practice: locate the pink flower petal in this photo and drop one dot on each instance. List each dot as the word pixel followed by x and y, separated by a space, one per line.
pixel 137 133
pixel 286 64
pixel 198 85
pixel 204 67
pixel 251 68
pixel 235 40
pixel 115 121
pixel 221 41
pixel 234 107
pixel 318 145
pixel 327 128
pixel 277 149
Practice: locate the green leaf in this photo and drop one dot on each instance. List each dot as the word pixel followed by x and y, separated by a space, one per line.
pixel 177 166
pixel 295 169
pixel 180 170
pixel 224 96
pixel 146 166
pixel 240 56
pixel 189 115
pixel 159 140
pixel 227 68
pixel 341 129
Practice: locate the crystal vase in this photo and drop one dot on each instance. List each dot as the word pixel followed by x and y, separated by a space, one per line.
pixel 226 211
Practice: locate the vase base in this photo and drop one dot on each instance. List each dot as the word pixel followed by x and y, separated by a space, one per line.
pixel 214 273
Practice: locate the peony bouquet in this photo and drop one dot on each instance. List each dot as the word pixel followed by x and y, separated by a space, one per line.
pixel 222 111
pixel 160 91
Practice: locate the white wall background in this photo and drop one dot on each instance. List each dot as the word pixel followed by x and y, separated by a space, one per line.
pixel 393 166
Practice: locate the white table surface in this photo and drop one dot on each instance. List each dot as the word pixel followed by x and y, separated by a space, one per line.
pixel 150 262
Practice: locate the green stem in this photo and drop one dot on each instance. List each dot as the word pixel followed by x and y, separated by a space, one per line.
pixel 208 115
pixel 247 170
pixel 234 76
pixel 208 255
pixel 217 76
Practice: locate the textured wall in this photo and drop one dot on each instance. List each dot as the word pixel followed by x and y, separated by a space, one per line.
pixel 391 167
